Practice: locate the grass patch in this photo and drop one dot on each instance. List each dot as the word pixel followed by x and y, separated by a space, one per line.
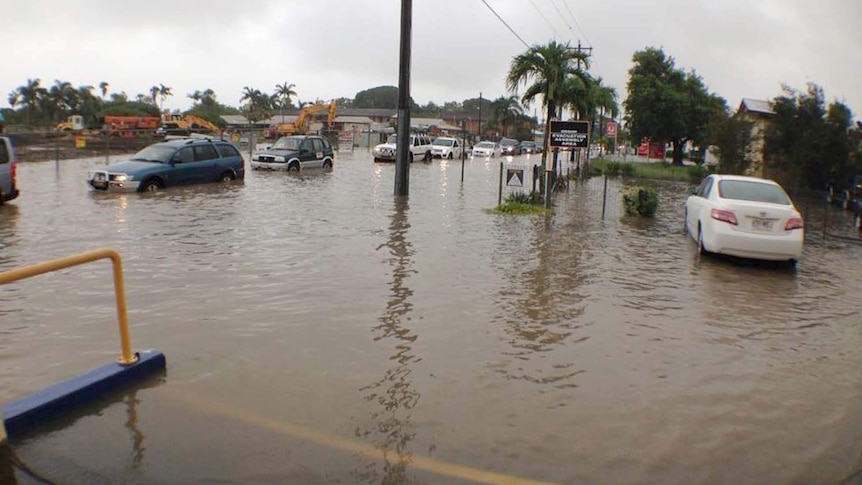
pixel 654 170
pixel 521 203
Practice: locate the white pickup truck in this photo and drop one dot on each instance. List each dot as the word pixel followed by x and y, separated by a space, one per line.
pixel 8 187
pixel 420 148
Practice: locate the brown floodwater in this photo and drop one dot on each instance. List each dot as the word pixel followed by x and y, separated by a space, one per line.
pixel 319 330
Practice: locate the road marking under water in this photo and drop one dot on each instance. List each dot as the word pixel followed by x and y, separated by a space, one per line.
pixel 210 406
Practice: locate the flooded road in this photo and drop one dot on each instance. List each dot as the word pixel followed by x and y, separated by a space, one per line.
pixel 317 330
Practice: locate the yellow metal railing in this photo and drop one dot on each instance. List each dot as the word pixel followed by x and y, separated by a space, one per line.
pixel 126 358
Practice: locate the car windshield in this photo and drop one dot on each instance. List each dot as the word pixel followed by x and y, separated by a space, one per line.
pixel 287 143
pixel 485 144
pixel 508 142
pixel 752 191
pixel 528 144
pixel 444 142
pixel 155 153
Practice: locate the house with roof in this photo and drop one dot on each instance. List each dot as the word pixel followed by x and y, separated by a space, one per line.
pixel 760 113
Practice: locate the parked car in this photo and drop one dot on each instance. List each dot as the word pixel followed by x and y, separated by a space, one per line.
pixel 8 172
pixel 747 217
pixel 295 153
pixel 509 146
pixel 445 147
pixel 528 146
pixel 486 149
pixel 420 148
pixel 174 162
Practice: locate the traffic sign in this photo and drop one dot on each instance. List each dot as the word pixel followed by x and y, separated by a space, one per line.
pixel 611 129
pixel 515 177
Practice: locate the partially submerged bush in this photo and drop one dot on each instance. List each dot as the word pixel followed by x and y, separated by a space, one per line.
pixel 533 197
pixel 639 200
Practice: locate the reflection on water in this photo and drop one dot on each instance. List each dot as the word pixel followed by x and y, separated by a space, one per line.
pixel 394 395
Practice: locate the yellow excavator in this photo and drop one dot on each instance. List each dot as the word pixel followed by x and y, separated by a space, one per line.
pixel 179 124
pixel 300 126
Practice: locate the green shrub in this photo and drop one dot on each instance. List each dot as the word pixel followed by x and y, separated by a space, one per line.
pixel 533 197
pixel 627 169
pixel 696 173
pixel 639 200
pixel 612 168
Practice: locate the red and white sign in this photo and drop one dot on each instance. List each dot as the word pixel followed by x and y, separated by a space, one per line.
pixel 611 129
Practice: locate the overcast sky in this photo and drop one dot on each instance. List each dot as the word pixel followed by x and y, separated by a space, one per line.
pixel 335 48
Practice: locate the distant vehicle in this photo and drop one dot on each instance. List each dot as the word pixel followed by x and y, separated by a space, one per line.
pixel 184 125
pixel 486 149
pixel 72 123
pixel 747 217
pixel 528 146
pixel 8 172
pixel 445 147
pixel 129 125
pixel 174 162
pixel 295 153
pixel 509 146
pixel 420 147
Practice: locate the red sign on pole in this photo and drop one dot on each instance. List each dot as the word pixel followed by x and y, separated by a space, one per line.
pixel 611 129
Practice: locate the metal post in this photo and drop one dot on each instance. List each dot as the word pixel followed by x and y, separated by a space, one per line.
pixel 463 148
pixel 604 196
pixel 500 187
pixel 402 161
pixel 480 116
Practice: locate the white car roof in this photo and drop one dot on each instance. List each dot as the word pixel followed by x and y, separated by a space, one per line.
pixel 744 178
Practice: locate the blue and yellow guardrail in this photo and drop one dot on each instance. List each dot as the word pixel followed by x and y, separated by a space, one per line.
pixel 18 416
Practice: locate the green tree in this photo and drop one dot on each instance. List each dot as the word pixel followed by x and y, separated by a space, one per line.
pixel 666 104
pixel 504 111
pixel 258 105
pixel 163 93
pixel 283 93
pixel 547 67
pixel 378 97
pixel 732 138
pixel 29 95
pixel 808 144
pixel 103 88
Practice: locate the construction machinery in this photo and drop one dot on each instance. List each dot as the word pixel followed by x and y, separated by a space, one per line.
pixel 72 123
pixel 179 124
pixel 129 125
pixel 300 126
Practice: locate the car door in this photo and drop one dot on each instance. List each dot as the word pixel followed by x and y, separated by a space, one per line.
pixel 317 149
pixel 182 168
pixel 306 153
pixel 697 204
pixel 206 167
pixel 456 149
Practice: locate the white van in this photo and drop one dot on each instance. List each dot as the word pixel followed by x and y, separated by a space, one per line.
pixel 8 189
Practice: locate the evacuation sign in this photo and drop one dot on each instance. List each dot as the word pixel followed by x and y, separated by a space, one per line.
pixel 515 177
pixel 570 134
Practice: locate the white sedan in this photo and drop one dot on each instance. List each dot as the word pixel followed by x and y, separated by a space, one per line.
pixel 747 217
pixel 486 149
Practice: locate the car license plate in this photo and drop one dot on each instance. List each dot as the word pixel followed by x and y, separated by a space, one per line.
pixel 761 224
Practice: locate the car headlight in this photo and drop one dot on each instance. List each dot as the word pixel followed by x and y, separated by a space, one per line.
pixel 279 159
pixel 122 177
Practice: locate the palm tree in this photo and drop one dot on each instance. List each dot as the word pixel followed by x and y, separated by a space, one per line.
pixel 164 92
pixel 504 110
pixel 547 67
pixel 258 103
pixel 283 92
pixel 103 87
pixel 30 95
pixel 154 95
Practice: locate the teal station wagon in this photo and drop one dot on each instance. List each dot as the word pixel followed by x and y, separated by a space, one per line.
pixel 175 162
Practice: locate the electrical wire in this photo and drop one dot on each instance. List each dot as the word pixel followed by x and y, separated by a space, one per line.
pixel 590 44
pixel 562 17
pixel 507 25
pixel 556 35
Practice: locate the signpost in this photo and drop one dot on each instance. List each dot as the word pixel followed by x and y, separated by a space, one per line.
pixel 565 134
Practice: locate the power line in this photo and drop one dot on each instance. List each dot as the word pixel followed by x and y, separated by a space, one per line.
pixel 554 4
pixel 556 35
pixel 576 23
pixel 507 25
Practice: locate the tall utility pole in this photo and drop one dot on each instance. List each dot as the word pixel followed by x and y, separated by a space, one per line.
pixel 480 115
pixel 589 51
pixel 402 151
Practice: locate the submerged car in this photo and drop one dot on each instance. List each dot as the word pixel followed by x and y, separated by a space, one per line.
pixel 420 148
pixel 486 149
pixel 747 217
pixel 528 146
pixel 295 153
pixel 8 171
pixel 175 162
pixel 508 146
pixel 445 147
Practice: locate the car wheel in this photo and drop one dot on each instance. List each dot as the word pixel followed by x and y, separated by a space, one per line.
pixel 427 157
pixel 151 185
pixel 700 248
pixel 327 164
pixel 376 160
pixel 226 177
pixel 451 156
pixel 293 167
pixel 411 157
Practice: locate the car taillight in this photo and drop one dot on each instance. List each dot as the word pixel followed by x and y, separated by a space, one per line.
pixel 14 172
pixel 724 216
pixel 794 223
